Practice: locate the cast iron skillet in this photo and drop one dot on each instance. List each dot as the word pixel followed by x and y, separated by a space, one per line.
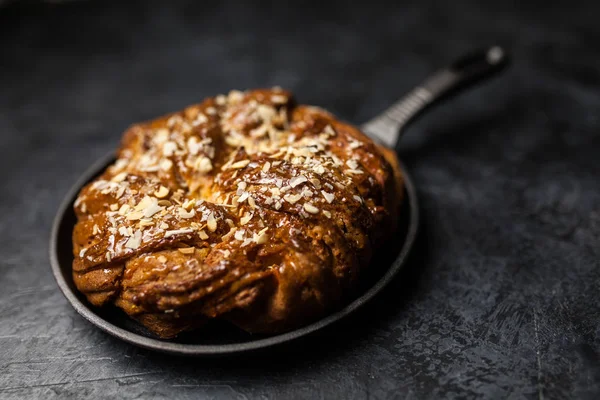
pixel 219 338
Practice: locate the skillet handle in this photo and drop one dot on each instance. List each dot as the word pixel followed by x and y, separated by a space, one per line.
pixel 468 70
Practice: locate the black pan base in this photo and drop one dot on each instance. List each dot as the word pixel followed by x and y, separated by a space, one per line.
pixel 218 338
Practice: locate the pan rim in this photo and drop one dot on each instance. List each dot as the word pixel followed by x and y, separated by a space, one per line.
pixel 233 348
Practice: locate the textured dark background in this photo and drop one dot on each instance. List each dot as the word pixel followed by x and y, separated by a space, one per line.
pixel 500 299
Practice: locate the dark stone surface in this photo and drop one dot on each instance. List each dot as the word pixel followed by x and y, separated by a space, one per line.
pixel 501 298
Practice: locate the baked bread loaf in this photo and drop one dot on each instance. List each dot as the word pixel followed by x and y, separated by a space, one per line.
pixel 246 208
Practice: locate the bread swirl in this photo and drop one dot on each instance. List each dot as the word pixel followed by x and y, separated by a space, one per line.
pixel 246 208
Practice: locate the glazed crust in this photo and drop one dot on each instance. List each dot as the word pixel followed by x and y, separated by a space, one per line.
pixel 245 208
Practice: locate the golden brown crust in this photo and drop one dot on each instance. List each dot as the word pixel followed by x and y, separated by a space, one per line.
pixel 245 208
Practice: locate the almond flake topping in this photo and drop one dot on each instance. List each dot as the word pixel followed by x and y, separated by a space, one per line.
pixel 308 207
pixel 278 99
pixel 265 131
pixel 239 164
pixel 239 234
pixel 203 165
pixel 211 222
pixel 200 119
pixel 162 192
pixel 297 180
pixel 188 204
pixel 355 144
pixel 120 191
pixel 292 198
pixel 166 164
pixel 316 183
pixel 169 149
pixel 186 250
pixel 319 169
pixel 119 177
pixel 186 214
pixel 260 237
pixel 246 218
pixel 178 232
pixel 353 164
pixel 328 196
pixel 135 240
pixel 146 222
pixel 354 171
pixel 329 130
pixel 153 208
pixel 134 216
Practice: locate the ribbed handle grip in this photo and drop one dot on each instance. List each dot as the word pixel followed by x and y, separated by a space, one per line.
pixel 463 73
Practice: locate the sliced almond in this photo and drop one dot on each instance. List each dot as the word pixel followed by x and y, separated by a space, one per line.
pixel 144 203
pixel 239 164
pixel 189 204
pixel 328 196
pixel 278 99
pixel 261 237
pixel 186 250
pixel 134 241
pixel 186 214
pixel 239 234
pixel 152 209
pixel 177 232
pixel 162 192
pixel 310 208
pixel 292 198
pixel 166 164
pixel 134 216
pixel 146 222
pixel 169 148
pixel 119 177
pixel 245 219
pixel 211 223
pixel 329 130
pixel 297 180
pixel 120 191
